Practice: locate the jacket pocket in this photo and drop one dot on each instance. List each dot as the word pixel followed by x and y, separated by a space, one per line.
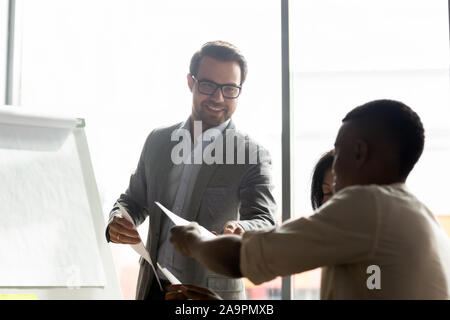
pixel 217 208
pixel 215 200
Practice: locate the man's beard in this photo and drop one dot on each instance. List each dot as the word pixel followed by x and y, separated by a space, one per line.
pixel 207 113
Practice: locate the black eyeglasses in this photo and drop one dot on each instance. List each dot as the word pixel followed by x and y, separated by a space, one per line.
pixel 229 91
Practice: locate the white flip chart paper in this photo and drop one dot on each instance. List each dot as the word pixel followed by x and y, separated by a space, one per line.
pixel 47 237
pixel 32 131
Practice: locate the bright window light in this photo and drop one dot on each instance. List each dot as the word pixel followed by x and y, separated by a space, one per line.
pixel 122 66
pixel 346 53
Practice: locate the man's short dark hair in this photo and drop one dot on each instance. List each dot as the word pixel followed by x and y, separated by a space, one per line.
pixel 222 51
pixel 402 125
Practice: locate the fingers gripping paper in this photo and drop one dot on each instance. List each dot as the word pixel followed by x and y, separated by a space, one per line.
pixel 142 251
pixel 139 248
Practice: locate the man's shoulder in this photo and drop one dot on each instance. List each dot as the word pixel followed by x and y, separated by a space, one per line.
pixel 162 134
pixel 357 194
pixel 384 195
pixel 353 208
pixel 386 190
pixel 166 130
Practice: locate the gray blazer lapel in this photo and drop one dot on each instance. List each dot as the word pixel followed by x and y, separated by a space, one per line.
pixel 165 164
pixel 163 167
pixel 204 176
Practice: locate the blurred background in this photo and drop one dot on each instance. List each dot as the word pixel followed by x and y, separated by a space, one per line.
pixel 122 64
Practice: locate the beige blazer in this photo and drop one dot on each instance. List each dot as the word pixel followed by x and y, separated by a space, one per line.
pixel 360 229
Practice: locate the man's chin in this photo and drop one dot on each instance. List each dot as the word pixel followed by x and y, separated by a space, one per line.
pixel 210 122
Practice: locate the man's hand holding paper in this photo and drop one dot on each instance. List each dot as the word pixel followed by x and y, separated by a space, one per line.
pixel 123 231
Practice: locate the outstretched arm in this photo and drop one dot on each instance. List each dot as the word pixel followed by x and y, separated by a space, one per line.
pixel 342 231
pixel 221 254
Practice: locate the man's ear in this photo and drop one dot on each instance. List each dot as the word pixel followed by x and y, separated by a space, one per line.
pixel 360 152
pixel 190 82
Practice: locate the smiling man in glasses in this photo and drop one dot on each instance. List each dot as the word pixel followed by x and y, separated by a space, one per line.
pixel 212 109
pixel 229 198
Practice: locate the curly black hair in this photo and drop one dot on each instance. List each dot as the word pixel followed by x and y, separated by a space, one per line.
pixel 402 125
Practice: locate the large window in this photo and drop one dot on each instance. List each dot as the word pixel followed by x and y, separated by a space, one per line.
pixel 122 66
pixel 3 47
pixel 346 53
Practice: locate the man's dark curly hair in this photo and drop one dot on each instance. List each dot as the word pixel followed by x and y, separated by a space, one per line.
pixel 401 125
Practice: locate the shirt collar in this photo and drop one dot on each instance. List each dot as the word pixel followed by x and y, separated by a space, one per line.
pixel 220 127
pixel 209 133
pixel 213 132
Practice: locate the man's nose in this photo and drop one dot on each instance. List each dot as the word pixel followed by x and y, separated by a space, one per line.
pixel 218 96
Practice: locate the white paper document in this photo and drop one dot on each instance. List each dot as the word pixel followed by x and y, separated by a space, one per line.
pixel 140 247
pixel 178 221
pixel 172 279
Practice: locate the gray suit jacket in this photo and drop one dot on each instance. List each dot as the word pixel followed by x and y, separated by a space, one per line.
pixel 222 192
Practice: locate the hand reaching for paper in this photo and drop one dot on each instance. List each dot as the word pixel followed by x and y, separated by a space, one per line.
pixel 123 231
pixel 232 227
pixel 186 238
pixel 220 254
